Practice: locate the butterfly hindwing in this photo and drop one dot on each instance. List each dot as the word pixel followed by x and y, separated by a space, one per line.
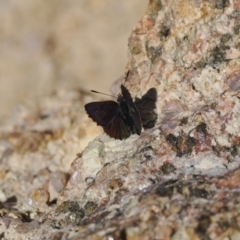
pixel 117 128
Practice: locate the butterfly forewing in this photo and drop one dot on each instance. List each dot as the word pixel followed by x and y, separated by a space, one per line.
pixel 133 111
pixel 107 114
pixel 102 112
pixel 146 106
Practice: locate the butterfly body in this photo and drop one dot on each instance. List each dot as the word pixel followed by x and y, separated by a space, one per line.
pixel 122 118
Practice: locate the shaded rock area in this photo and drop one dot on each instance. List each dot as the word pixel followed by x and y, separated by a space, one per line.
pixel 178 180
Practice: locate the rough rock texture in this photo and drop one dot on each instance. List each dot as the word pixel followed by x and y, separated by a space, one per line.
pixel 178 180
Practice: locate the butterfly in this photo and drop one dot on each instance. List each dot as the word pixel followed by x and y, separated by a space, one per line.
pixel 125 117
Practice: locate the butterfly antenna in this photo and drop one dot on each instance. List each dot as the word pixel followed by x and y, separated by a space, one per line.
pixel 102 93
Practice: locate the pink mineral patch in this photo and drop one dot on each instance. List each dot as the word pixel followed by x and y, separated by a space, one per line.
pixel 233 81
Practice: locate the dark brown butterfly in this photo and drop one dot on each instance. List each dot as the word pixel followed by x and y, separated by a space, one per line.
pixel 122 118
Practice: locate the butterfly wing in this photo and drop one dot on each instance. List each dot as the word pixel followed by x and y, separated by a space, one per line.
pixel 120 120
pixel 146 106
pixel 108 115
pixel 133 111
pixel 102 112
pixel 117 128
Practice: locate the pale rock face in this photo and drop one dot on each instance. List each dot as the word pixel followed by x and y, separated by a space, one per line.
pixel 180 179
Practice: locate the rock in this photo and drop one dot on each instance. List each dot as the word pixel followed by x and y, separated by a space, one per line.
pixel 177 180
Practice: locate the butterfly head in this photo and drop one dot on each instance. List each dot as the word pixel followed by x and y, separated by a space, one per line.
pixel 120 98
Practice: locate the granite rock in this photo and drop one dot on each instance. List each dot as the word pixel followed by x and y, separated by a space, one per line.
pixel 178 180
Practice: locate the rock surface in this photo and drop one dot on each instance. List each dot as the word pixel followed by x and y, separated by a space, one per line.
pixel 178 180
